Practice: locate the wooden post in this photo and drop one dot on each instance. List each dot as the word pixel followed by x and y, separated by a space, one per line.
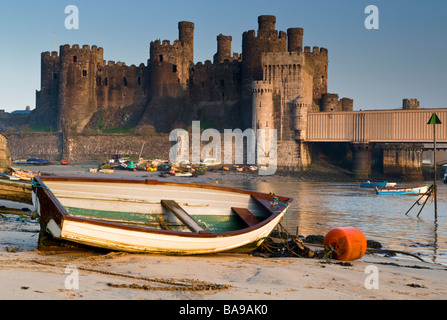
pixel 435 191
pixel 434 120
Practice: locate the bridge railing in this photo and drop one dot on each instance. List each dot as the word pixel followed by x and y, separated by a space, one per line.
pixel 376 126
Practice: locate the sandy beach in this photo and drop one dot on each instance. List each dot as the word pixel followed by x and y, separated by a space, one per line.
pixel 26 273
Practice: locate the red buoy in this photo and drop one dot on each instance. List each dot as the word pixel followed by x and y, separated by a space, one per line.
pixel 347 243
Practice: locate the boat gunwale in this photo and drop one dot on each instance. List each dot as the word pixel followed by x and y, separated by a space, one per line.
pixel 65 216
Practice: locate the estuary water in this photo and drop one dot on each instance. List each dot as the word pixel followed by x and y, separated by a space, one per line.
pixel 319 207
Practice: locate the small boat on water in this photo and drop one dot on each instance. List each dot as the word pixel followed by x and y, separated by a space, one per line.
pixel 369 184
pixel 33 161
pixel 151 216
pixel 421 190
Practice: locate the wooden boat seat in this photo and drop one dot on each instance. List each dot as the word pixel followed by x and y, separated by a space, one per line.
pixel 267 204
pixel 246 216
pixel 183 216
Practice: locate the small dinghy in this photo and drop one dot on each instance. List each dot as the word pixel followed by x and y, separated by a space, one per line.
pixel 151 216
pixel 403 191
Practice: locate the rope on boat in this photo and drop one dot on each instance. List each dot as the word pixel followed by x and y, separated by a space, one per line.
pixel 286 213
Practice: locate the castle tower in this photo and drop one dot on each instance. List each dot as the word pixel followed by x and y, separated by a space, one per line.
pixel 170 63
pixel 77 90
pixel 267 40
pixel 410 104
pixel 263 117
pixel 294 39
pixel 299 111
pixel 47 111
pixel 320 58
pixel 266 24
pixel 223 49
pixel 186 37
pixel 330 102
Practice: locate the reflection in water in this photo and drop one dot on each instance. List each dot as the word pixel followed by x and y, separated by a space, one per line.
pixel 320 207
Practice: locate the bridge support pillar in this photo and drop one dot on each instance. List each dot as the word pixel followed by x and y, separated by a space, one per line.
pixel 361 159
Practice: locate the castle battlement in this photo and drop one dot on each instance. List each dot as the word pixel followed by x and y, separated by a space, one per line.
pixel 85 47
pixel 273 34
pixel 165 43
pixel 50 55
pixel 112 63
pixel 316 50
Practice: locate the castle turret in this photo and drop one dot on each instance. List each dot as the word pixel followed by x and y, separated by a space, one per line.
pixel 410 104
pixel 263 117
pixel 223 49
pixel 299 112
pixel 266 24
pixel 294 39
pixel 186 37
pixel 330 102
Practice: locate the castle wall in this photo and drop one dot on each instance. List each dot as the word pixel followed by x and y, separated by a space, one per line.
pixel 86 148
pixel 215 82
pixel 120 85
pixel 36 145
pixel 5 157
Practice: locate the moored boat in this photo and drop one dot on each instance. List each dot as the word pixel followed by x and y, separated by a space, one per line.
pixel 33 161
pixel 421 190
pixel 369 184
pixel 155 217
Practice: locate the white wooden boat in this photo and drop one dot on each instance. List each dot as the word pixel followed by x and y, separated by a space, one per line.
pixel 421 190
pixel 155 217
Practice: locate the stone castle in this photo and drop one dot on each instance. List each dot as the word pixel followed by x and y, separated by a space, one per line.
pixel 273 83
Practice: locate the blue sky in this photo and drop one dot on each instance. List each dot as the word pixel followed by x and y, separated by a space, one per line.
pixel 405 58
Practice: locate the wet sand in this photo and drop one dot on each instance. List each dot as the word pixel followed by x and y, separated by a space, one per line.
pixel 26 273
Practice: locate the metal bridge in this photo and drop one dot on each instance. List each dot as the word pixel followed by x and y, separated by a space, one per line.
pixel 387 126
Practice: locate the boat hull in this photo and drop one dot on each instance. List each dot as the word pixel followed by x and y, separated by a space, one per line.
pixel 402 191
pixel 52 207
pixel 377 184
